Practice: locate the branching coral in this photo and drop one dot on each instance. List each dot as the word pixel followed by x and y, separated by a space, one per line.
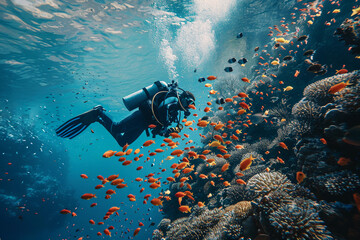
pixel 299 220
pixel 281 110
pixel 266 182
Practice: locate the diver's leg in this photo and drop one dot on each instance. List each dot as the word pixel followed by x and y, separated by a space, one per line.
pixel 127 130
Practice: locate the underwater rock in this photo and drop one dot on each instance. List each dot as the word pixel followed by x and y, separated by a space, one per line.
pixel 313 156
pixel 266 182
pixel 337 185
pixel 335 116
pixel 164 224
pixel 157 235
pixel 298 220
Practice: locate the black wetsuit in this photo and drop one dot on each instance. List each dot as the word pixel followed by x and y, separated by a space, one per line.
pixel 166 108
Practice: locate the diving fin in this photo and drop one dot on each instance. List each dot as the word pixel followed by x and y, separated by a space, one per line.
pixel 78 124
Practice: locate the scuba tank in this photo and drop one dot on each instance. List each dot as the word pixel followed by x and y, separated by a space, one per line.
pixel 134 100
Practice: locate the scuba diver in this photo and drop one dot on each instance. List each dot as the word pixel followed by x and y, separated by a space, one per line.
pixel 159 106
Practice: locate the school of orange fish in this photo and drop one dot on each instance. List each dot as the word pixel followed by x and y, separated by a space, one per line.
pixel 183 171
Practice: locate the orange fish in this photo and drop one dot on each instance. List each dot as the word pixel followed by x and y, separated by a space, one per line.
pixel 121 185
pixel 244 105
pixel 177 152
pixel 245 79
pixel 201 204
pixel 219 138
pixel 283 145
pixel 107 232
pixel 338 87
pixel 112 177
pixel 152 126
pixel 110 192
pixel 211 78
pixel 108 154
pixel 207 109
pixel 156 202
pixel 184 209
pixel 148 143
pixel 84 176
pixel 341 71
pixel 125 147
pixel 225 167
pixel 136 231
pixel 343 161
pixel 88 196
pixel 240 181
pixel 226 183
pixel 323 141
pixel 300 176
pixel 92 221
pixel 297 72
pixel 154 185
pixel 99 186
pixel 246 163
pixel 65 211
pixel 175 135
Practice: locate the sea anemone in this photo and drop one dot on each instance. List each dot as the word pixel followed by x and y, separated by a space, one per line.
pixel 266 182
pixel 298 220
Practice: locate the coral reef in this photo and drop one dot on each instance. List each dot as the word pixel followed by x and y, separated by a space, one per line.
pixel 298 220
pixel 266 182
pixel 335 184
pixel 349 31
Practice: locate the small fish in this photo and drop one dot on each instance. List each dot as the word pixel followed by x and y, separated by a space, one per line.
pixel 246 163
pixel 200 80
pixel 239 35
pixel 355 11
pixel 245 79
pixel 308 53
pixel 338 87
pixel 220 101
pixel 341 71
pixel 185 209
pixel 211 78
pixel 288 88
pixel 287 58
pixel 242 61
pixel 232 60
pixel 300 176
pixel 256 49
pixel 302 38
pixel 228 69
pixel 343 161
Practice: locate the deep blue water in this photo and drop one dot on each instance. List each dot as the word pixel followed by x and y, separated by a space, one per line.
pixel 61 58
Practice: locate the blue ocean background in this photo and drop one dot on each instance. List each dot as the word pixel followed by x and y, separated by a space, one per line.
pixel 61 58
